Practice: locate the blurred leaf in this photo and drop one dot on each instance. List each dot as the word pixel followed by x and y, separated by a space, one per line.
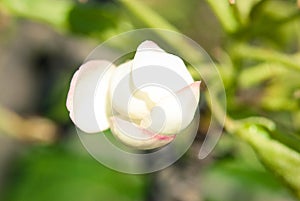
pixel 79 18
pixel 51 12
pixel 52 173
pixel 279 16
pixel 89 18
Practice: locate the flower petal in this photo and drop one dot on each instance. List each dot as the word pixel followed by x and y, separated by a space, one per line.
pixel 150 54
pixel 157 70
pixel 122 93
pixel 137 137
pixel 87 98
pixel 174 113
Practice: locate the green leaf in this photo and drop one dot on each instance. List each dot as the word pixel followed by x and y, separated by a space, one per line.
pixel 280 159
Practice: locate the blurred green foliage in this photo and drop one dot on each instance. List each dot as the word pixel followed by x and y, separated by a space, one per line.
pixel 82 19
pixel 58 173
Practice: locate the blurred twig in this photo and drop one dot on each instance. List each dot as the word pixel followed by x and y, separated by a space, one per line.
pixel 36 129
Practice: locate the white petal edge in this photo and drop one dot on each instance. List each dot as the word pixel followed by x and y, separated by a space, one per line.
pixel 178 111
pixel 69 103
pixel 150 45
pixel 89 87
pixel 131 135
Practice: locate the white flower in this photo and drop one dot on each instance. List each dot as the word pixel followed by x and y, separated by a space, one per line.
pixel 145 101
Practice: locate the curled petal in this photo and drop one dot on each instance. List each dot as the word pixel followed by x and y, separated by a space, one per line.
pixel 122 93
pixel 87 98
pixel 137 137
pixel 174 113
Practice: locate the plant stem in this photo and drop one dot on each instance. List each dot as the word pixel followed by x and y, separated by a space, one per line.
pixel 280 159
pixel 223 11
pixel 146 15
pixel 290 61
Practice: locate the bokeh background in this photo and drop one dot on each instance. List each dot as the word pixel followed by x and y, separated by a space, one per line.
pixel 255 44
